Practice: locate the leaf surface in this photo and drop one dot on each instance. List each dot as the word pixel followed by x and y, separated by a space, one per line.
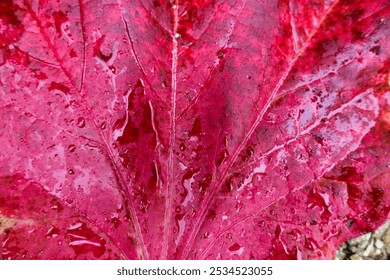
pixel 192 129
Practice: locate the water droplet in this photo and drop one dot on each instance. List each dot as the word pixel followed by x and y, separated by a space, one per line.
pixel 124 159
pixel 205 183
pixel 271 118
pixel 145 202
pixel 182 147
pixel 56 206
pixel 138 119
pixel 113 69
pixel 80 122
pixel 256 179
pixel 270 191
pixel 60 18
pixel 187 181
pixel 224 154
pixel 182 166
pixel 310 244
pixel 101 50
pixel 71 171
pixel 239 206
pixel 234 247
pixel 83 240
pixel 212 214
pixel 261 223
pixel 52 232
pixel 294 234
pixel 249 152
pixel 196 131
pixel 115 220
pixel 334 230
pixel 71 148
pixel 60 87
pixel 103 125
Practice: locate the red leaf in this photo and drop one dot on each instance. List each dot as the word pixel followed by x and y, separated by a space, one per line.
pixel 192 129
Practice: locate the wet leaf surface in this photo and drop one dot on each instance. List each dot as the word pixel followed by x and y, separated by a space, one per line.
pixel 192 129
